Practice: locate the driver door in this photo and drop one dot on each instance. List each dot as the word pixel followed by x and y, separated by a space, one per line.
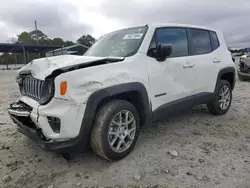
pixel 172 81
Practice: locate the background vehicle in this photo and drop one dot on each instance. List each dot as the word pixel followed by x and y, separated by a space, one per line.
pixel 127 79
pixel 244 69
pixel 244 56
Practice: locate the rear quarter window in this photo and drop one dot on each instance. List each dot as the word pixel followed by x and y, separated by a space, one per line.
pixel 200 42
pixel 214 40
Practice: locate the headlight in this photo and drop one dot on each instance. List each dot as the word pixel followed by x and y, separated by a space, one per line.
pixel 47 91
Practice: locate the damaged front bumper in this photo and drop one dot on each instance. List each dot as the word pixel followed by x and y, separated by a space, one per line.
pixel 20 113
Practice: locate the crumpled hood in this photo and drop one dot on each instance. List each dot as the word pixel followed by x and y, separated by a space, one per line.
pixel 41 68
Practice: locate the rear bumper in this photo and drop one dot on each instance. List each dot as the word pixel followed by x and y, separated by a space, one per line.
pixel 74 145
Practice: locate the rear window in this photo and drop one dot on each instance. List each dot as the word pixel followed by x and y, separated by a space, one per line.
pixel 200 42
pixel 214 40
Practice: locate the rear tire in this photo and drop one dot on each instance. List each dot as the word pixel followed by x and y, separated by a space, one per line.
pixel 222 99
pixel 115 130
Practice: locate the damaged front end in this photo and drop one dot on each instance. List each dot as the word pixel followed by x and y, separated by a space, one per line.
pixel 19 112
pixel 42 116
pixel 41 91
pixel 244 69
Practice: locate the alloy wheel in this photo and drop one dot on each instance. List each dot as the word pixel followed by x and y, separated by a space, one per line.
pixel 122 131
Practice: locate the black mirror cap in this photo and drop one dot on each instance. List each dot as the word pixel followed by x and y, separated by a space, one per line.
pixel 163 51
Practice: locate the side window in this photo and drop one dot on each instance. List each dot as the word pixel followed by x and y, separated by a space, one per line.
pixel 176 37
pixel 214 39
pixel 200 42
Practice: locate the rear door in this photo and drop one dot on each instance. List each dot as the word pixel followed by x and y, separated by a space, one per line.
pixel 204 59
pixel 217 55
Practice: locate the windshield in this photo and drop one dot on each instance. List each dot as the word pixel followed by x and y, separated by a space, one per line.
pixel 122 43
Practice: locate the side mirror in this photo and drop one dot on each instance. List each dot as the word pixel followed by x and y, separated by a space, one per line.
pixel 162 52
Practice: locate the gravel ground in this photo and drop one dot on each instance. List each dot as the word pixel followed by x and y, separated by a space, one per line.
pixel 211 152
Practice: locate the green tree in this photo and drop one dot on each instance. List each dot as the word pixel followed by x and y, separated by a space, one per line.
pixel 86 40
pixel 57 41
pixel 25 38
pixel 68 43
pixel 31 38
pixel 40 36
pixel 7 57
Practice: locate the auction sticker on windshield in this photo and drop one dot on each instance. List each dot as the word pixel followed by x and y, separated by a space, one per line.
pixel 133 36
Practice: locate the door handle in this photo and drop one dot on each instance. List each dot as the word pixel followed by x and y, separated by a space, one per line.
pixel 188 65
pixel 216 61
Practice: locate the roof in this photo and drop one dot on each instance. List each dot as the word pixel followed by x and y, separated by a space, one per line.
pixel 180 25
pixel 33 48
pixel 157 25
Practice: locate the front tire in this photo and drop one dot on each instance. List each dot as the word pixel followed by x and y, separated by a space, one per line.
pixel 115 130
pixel 222 99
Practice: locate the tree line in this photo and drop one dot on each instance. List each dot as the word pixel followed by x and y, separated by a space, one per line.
pixel 39 37
pixel 241 50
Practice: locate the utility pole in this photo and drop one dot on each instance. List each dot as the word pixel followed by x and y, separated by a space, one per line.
pixel 36 32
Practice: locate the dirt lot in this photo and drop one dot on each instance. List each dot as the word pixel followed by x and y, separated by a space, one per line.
pixel 212 152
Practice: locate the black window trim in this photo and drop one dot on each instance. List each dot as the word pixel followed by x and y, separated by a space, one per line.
pixel 153 38
pixel 189 39
pixel 211 40
pixel 170 27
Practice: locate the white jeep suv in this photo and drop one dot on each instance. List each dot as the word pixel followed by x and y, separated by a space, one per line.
pixel 127 79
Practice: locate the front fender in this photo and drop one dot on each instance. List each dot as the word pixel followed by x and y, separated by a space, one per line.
pixel 84 82
pixel 104 94
pixel 98 97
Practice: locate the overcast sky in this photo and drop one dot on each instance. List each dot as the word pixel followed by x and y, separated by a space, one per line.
pixel 70 19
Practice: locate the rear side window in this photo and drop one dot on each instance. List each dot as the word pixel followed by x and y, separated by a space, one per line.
pixel 200 42
pixel 176 37
pixel 214 40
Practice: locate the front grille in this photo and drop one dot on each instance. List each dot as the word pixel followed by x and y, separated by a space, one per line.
pixel 32 87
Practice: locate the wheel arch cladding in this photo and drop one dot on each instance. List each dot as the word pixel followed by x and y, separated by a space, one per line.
pixel 134 92
pixel 227 74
